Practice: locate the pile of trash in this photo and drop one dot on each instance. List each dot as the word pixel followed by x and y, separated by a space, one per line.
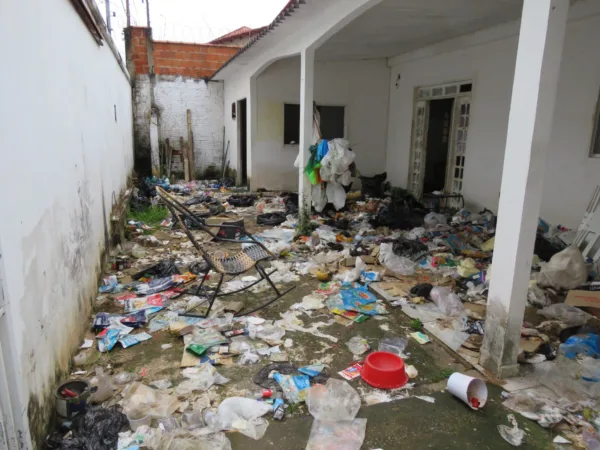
pixel 369 255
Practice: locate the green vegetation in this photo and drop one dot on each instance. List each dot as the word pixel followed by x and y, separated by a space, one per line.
pixel 416 324
pixel 151 216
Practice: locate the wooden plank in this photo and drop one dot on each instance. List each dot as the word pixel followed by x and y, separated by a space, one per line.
pixel 168 157
pixel 186 161
pixel 191 158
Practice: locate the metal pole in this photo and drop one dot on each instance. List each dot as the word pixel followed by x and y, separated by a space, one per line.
pixel 108 16
pixel 148 12
pixel 128 14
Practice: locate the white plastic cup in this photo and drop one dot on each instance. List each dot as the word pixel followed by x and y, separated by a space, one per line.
pixel 138 416
pixel 467 388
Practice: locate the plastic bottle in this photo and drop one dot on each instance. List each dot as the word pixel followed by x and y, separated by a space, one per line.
pixel 258 395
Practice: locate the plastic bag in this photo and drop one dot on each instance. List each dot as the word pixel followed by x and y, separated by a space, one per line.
pixel 358 345
pixel 570 315
pixel 393 344
pixel 467 268
pixel 294 386
pixel 199 379
pixel 433 219
pixel 161 404
pixel 319 197
pixel 244 415
pixel 447 301
pixel 397 264
pixel 586 344
pixel 105 387
pixel 334 401
pixel 337 160
pixel 566 270
pixel 336 194
pixel 98 428
pixel 353 275
pixel 346 435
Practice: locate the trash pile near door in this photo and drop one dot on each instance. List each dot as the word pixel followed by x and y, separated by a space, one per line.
pixel 365 257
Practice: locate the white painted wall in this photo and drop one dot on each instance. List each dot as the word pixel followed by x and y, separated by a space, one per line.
pixel 174 95
pixel 64 156
pixel 488 58
pixel 360 86
pixel 236 89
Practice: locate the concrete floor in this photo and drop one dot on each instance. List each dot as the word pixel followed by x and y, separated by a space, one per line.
pixel 404 424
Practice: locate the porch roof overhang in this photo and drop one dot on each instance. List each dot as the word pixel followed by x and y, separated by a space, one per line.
pixel 387 29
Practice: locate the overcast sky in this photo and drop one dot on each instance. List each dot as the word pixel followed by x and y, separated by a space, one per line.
pixel 191 20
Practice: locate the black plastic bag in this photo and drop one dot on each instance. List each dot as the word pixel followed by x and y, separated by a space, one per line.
pixel 163 269
pixel 373 186
pixel 270 219
pixel 97 429
pixel 241 200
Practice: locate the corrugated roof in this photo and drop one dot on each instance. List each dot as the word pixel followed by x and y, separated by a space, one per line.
pixel 287 10
pixel 239 32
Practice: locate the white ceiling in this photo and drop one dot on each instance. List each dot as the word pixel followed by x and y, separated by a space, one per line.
pixel 394 27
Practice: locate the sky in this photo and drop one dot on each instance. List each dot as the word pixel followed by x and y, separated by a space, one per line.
pixel 190 20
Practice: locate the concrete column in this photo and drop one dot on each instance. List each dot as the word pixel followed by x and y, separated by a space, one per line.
pixel 251 129
pixel 307 83
pixel 541 38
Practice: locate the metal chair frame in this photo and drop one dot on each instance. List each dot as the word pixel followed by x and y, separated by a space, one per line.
pixel 243 261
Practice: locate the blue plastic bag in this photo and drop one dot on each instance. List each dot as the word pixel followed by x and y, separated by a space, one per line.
pixel 586 344
pixel 293 386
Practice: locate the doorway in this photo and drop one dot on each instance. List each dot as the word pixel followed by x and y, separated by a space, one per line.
pixel 439 138
pixel 438 141
pixel 243 142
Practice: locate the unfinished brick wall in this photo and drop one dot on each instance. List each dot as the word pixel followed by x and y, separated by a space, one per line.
pixel 176 58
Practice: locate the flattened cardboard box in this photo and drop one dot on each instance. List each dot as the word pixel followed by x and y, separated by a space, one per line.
pixel 585 297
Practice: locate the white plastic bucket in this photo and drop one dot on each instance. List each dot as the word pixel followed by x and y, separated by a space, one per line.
pixel 467 389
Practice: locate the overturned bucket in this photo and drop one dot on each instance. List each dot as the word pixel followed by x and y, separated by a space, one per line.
pixel 71 398
pixel 472 391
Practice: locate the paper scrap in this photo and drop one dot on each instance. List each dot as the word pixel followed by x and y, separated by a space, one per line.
pixel 88 343
pixel 420 337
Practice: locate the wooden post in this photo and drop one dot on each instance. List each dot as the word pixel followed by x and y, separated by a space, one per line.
pixel 191 156
pixel 186 162
pixel 168 154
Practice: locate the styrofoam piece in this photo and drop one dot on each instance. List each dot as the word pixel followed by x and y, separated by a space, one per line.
pixel 468 388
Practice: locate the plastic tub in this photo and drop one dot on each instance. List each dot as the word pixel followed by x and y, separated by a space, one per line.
pixel 138 416
pixel 69 407
pixel 384 370
pixel 472 391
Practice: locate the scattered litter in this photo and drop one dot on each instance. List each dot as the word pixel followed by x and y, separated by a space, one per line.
pixel 412 372
pixel 244 415
pixel 561 440
pixel 420 337
pixel 425 398
pixel 513 435
pixel 358 345
pixel 88 343
pixel 352 372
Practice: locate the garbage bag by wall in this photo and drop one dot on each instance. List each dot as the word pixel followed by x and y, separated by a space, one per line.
pixel 565 270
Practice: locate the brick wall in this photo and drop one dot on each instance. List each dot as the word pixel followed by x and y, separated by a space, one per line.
pixel 176 58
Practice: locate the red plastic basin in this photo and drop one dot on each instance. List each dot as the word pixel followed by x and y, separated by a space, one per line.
pixel 384 370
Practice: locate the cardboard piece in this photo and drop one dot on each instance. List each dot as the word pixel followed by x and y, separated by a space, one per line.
pixel 188 359
pixel 584 298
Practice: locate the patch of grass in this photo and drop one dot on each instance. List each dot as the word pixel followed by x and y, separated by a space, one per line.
pixel 442 375
pixel 151 216
pixel 416 324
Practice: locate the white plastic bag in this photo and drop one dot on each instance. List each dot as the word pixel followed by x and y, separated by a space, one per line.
pixel 244 415
pixel 395 263
pixel 353 275
pixel 335 401
pixel 447 301
pixel 566 270
pixel 570 315
pixel 319 197
pixel 346 435
pixel 358 345
pixel 336 194
pixel 433 219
